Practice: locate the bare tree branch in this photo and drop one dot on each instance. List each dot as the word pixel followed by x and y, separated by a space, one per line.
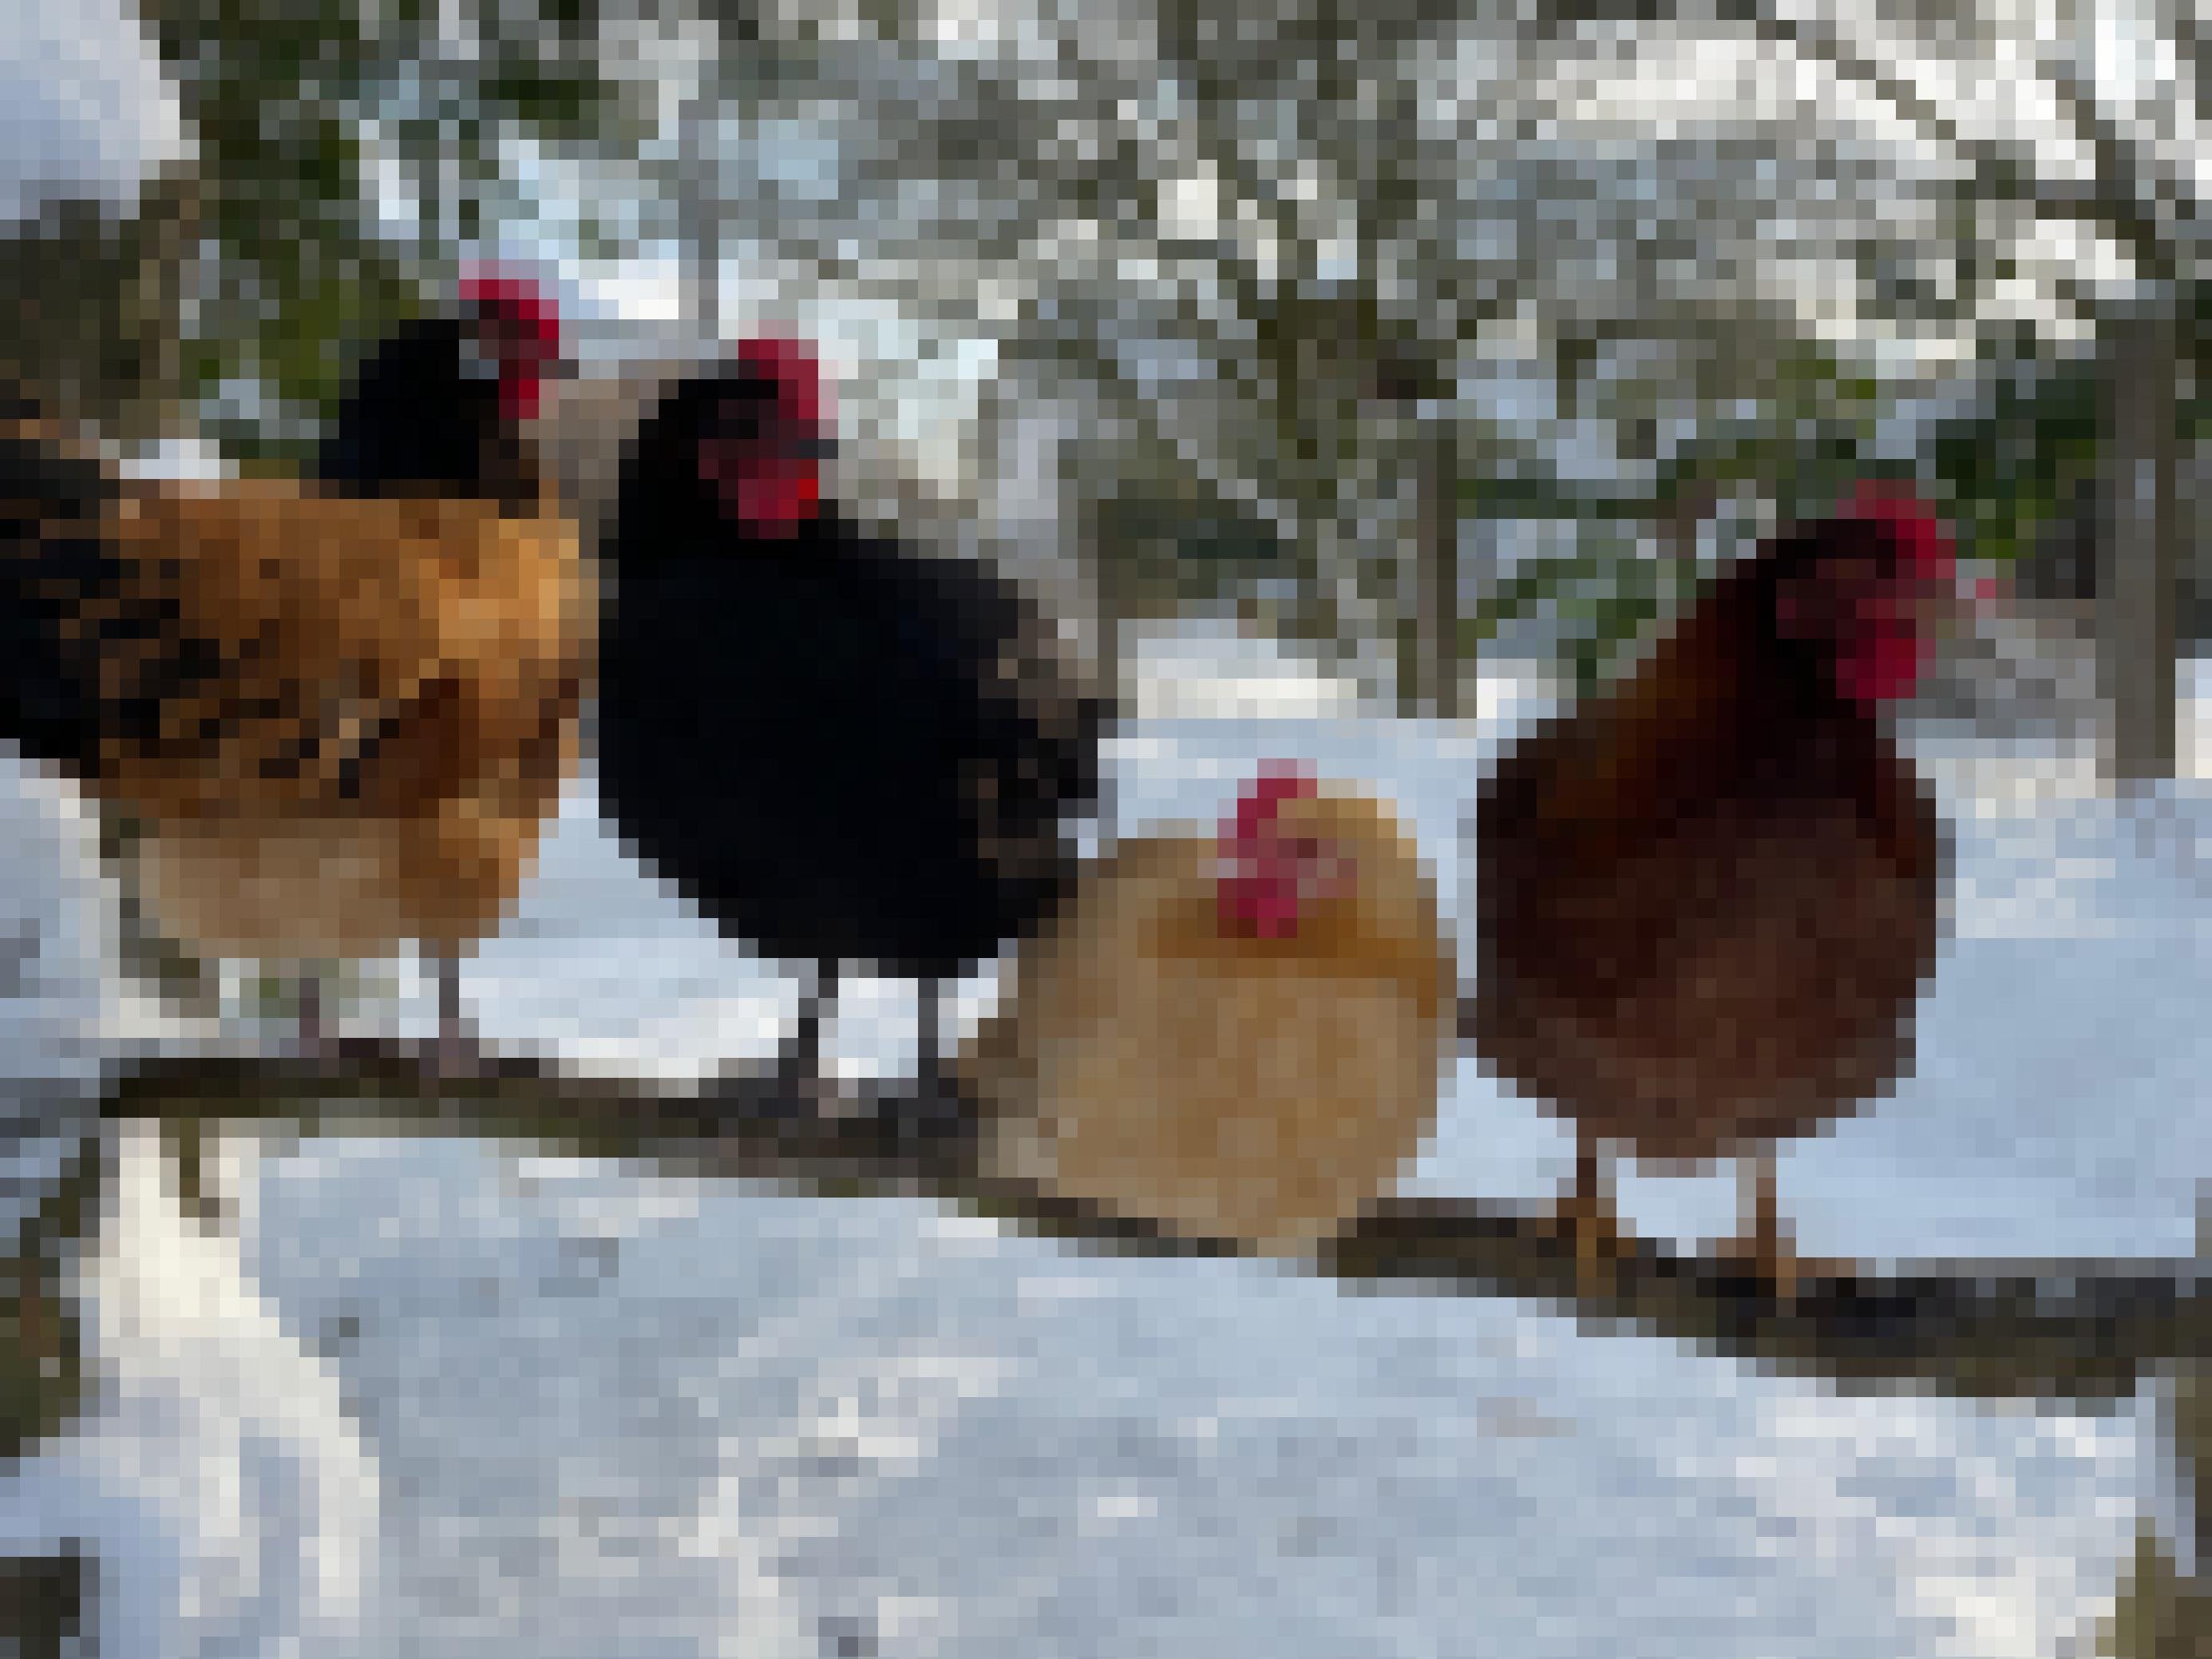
pixel 2056 1329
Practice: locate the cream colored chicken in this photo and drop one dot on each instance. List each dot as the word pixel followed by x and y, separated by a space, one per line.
pixel 1242 1038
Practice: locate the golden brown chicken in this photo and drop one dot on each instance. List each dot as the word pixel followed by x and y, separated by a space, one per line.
pixel 341 721
pixel 1708 898
pixel 1242 1038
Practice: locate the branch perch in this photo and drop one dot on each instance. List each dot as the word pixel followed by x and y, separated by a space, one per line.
pixel 2082 1330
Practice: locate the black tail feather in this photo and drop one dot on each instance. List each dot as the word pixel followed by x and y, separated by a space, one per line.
pixel 91 651
pixel 54 566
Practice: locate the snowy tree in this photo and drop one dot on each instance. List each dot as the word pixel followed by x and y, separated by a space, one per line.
pixel 1238 265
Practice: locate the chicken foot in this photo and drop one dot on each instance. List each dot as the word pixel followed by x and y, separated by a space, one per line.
pixel 804 1080
pixel 1764 1246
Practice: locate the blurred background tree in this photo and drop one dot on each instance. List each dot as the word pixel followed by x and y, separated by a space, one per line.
pixel 1337 316
pixel 94 296
pixel 325 133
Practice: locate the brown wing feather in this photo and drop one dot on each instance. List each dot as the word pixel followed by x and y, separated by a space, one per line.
pixel 398 693
pixel 1630 757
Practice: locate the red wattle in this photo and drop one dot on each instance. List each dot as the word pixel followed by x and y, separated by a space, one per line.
pixel 775 503
pixel 1885 666
pixel 519 395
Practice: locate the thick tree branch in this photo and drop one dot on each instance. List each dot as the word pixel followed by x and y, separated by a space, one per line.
pixel 2058 1329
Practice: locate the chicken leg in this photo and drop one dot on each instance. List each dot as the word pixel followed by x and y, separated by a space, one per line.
pixel 1585 1212
pixel 929 1041
pixel 801 1067
pixel 318 1038
pixel 454 1052
pixel 1764 1245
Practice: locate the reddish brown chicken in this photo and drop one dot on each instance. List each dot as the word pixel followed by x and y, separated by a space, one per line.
pixel 1708 898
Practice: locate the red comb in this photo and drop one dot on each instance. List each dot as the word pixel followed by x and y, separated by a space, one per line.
pixel 800 393
pixel 1277 782
pixel 518 297
pixel 1909 521
pixel 1259 897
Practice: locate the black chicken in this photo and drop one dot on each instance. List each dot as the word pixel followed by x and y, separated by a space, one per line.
pixel 435 408
pixel 839 748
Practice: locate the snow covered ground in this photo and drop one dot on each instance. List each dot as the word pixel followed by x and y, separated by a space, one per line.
pixel 529 1407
